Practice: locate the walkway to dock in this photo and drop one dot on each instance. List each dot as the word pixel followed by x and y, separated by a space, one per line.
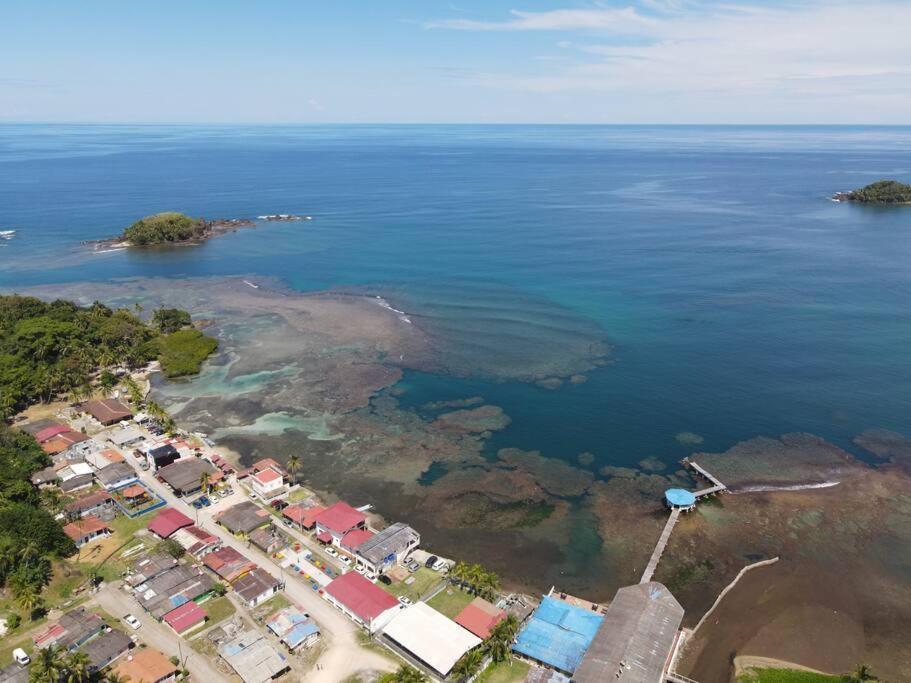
pixel 716 485
pixel 659 548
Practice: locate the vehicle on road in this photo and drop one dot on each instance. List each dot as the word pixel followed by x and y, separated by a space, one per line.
pixel 131 621
pixel 21 656
pixel 385 580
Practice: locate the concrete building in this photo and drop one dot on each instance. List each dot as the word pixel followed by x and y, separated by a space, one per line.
pixel 387 547
pixel 253 658
pixel 116 476
pixel 434 640
pixel 86 530
pixel 337 520
pixel 558 634
pixel 243 518
pixel 365 602
pixel 636 639
pixel 268 484
pixel 255 587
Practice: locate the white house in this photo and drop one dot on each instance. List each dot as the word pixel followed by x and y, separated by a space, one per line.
pixel 267 483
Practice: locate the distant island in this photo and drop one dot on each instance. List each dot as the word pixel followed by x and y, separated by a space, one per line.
pixel 880 192
pixel 171 228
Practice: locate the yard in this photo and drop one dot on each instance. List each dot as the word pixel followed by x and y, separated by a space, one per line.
pixel 218 610
pixel 511 671
pixel 416 585
pixel 271 606
pixel 450 601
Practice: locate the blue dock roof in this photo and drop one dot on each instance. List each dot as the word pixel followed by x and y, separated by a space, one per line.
pixel 558 634
pixel 679 498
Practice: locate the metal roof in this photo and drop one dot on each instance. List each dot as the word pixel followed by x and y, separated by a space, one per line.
pixel 384 543
pixel 253 658
pixel 558 634
pixel 635 638
pixel 680 497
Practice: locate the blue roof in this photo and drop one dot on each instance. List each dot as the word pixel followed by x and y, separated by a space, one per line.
pixel 679 497
pixel 558 634
pixel 300 633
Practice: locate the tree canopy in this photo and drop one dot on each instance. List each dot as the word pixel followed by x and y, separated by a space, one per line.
pixel 163 228
pixel 882 192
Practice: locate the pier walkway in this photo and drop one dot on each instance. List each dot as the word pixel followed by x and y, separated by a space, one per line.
pixel 659 548
pixel 716 484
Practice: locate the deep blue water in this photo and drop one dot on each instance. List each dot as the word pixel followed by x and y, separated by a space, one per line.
pixel 739 300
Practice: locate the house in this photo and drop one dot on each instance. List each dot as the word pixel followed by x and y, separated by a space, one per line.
pixel 480 617
pixel 336 521
pixel 243 518
pixel 228 564
pixel 354 539
pixel 123 437
pixel 186 618
pixel 86 530
pixel 268 484
pixel 99 504
pixel 76 482
pixel 116 476
pixel 63 442
pixel 107 647
pixel 147 665
pixel 185 476
pixel 49 432
pixel 168 521
pixel 147 568
pixel 362 600
pixel 46 477
pixel 169 590
pixel 162 456
pixel 302 516
pixel 387 547
pixel 253 658
pixel 102 458
pixel 428 636
pixel 71 630
pixel 197 542
pixel 558 634
pixel 256 587
pixel 108 411
pixel 295 629
pixel 268 539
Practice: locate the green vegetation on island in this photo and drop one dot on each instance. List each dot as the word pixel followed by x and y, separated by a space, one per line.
pixel 861 674
pixel 880 192
pixel 48 349
pixel 164 228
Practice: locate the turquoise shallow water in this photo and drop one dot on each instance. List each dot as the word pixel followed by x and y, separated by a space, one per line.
pixel 738 299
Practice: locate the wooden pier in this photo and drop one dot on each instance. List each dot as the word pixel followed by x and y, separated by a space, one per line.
pixel 716 484
pixel 660 546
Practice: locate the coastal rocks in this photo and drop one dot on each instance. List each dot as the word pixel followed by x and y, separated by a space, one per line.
pixel 482 419
pixel 554 476
pixel 887 445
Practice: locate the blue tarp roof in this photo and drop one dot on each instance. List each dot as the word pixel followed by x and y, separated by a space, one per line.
pixel 300 633
pixel 680 497
pixel 558 634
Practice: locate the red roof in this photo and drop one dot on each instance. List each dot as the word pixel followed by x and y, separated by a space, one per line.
pixel 228 563
pixel 324 537
pixel 365 599
pixel 354 538
pixel 480 618
pixel 340 518
pixel 84 527
pixel 265 476
pixel 185 617
pixel 300 514
pixel 168 521
pixel 49 432
pixel 133 491
pixel 265 464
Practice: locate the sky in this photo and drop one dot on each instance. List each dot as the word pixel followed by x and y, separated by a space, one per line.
pixel 460 61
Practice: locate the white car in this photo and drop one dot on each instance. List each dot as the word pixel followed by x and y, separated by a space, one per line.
pixel 345 560
pixel 132 621
pixel 439 565
pixel 21 656
pixel 331 552
pixel 360 569
pixel 405 601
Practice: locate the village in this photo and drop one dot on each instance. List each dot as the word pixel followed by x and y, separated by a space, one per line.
pixel 204 572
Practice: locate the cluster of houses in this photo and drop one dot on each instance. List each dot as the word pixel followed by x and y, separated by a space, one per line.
pixel 85 631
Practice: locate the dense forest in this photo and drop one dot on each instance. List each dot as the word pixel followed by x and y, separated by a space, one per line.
pixel 163 228
pixel 880 192
pixel 47 349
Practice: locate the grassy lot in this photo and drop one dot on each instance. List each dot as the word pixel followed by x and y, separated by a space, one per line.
pixel 450 601
pixel 424 580
pixel 787 676
pixel 270 606
pixel 512 671
pixel 218 610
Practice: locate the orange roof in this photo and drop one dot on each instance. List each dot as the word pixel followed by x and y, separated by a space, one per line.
pixel 144 664
pixel 111 455
pixel 480 617
pixel 83 527
pixel 133 491
pixel 267 475
pixel 305 516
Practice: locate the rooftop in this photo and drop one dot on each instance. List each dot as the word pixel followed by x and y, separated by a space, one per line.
pixel 115 473
pixel 253 658
pixel 228 563
pixel 480 617
pixel 340 518
pixel 108 411
pixel 431 637
pixel 680 498
pixel 185 475
pixel 354 539
pixel 365 599
pixel 89 501
pixel 558 634
pixel 243 517
pixel 185 617
pixel 303 515
pixel 145 664
pixel 267 475
pixel 390 540
pixel 84 527
pixel 107 647
pixel 636 637
pixel 168 521
pixel 255 583
pixel 292 626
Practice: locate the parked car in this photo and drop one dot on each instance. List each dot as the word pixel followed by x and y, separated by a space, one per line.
pixel 405 601
pixel 21 656
pixel 279 504
pixel 204 500
pixel 224 493
pixel 132 621
pixel 439 565
pixel 345 559
pixel 385 580
pixel 331 552
pixel 412 566
pixel 431 561
pixel 197 504
pixel 253 497
pixel 360 569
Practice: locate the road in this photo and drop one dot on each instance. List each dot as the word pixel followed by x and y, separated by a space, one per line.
pixel 118 603
pixel 343 655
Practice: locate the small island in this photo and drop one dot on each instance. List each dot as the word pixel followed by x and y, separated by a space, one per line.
pixel 880 192
pixel 171 228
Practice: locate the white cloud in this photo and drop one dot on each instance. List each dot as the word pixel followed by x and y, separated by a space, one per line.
pixel 808 57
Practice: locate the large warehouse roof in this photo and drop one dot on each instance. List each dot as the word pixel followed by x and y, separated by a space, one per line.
pixel 636 638
pixel 558 634
pixel 433 638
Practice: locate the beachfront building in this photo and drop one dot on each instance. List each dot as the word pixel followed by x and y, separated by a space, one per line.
pixel 337 520
pixel 429 637
pixel 362 600
pixel 558 634
pixel 387 547
pixel 268 483
pixel 680 499
pixel 636 639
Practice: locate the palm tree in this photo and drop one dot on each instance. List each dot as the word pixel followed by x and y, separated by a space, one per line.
pixel 861 674
pixel 293 463
pixel 28 598
pixel 458 573
pixel 133 390
pixel 469 664
pixel 406 674
pixel 204 481
pixel 78 668
pixel 48 666
pixel 113 677
pixel 29 551
pixel 499 644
